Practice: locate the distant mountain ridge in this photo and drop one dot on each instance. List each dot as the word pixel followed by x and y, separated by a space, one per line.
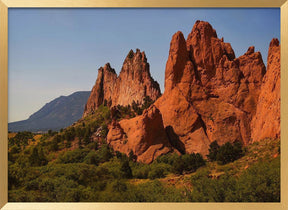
pixel 59 113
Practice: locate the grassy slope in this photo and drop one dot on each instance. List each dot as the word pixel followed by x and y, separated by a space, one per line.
pixel 267 149
pixel 73 170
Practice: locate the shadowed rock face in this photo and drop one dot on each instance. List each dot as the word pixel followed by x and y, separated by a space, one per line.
pixel 266 121
pixel 133 84
pixel 209 95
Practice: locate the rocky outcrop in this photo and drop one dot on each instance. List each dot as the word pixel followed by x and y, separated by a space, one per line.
pixel 103 89
pixel 134 83
pixel 209 96
pixel 144 135
pixel 266 122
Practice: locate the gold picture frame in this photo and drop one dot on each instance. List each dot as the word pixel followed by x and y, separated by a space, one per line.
pixel 6 4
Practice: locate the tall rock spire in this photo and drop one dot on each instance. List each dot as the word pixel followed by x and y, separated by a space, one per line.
pixel 134 83
pixel 266 122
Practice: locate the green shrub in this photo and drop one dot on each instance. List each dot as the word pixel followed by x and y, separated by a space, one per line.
pixel 140 171
pixel 259 183
pixel 91 158
pixel 105 153
pixel 20 139
pixel 74 156
pixel 213 150
pixel 119 186
pixel 125 170
pixel 226 153
pixel 159 170
pixel 37 157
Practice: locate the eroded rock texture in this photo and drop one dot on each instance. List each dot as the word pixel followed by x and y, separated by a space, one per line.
pixel 134 83
pixel 209 96
pixel 266 122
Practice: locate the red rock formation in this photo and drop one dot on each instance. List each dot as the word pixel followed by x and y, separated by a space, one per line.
pixel 103 88
pixel 133 84
pixel 209 95
pixel 266 122
pixel 144 135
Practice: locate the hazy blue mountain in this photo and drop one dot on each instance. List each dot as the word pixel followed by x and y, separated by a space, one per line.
pixel 59 113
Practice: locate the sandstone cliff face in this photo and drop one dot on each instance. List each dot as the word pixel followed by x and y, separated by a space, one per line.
pixel 209 96
pixel 218 92
pixel 144 135
pixel 133 84
pixel 266 122
pixel 104 88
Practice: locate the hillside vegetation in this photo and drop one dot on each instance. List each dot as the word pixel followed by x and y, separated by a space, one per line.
pixel 76 164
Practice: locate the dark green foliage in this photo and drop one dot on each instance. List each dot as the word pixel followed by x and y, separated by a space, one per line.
pixel 93 145
pixel 148 192
pixel 192 162
pixel 119 186
pixel 95 173
pixel 125 169
pixel 21 139
pixel 49 132
pixel 68 144
pixel 120 112
pixel 260 183
pixel 169 158
pixel 13 153
pixel 136 108
pixel 87 136
pixel 105 102
pixel 206 189
pixel 70 134
pixel 147 102
pixel 104 153
pixel 80 143
pixel 92 158
pixel 140 171
pixel 158 171
pixel 75 156
pixel 238 150
pixel 187 163
pixel 226 153
pixel 104 130
pixel 37 157
pixel 213 150
pixel 54 144
pixel 132 156
pixel 118 155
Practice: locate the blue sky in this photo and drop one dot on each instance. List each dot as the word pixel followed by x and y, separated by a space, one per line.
pixel 55 52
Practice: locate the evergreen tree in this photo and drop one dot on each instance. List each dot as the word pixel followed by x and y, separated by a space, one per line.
pixel 213 150
pixel 126 170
